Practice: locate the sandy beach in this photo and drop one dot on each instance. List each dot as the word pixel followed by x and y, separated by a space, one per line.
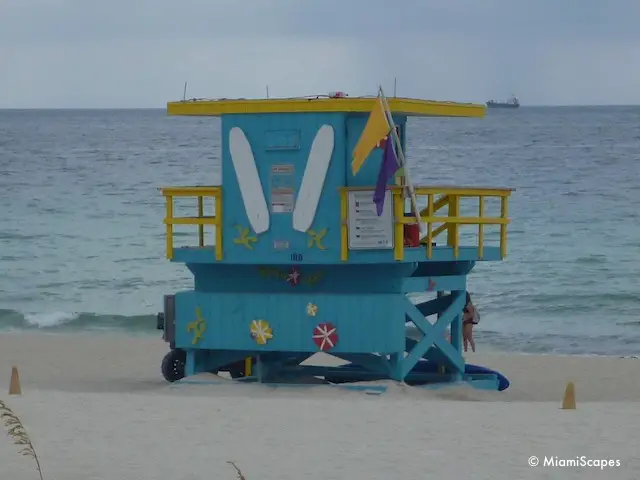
pixel 97 407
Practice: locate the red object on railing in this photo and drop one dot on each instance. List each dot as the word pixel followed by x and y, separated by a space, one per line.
pixel 412 235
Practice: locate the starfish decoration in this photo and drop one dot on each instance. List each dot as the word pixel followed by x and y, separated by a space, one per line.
pixel 244 238
pixel 293 278
pixel 316 238
pixel 312 310
pixel 432 285
pixel 198 326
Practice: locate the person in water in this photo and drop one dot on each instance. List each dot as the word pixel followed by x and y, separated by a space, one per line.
pixel 470 318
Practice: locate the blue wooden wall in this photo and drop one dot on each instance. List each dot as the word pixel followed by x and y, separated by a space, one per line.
pixel 285 139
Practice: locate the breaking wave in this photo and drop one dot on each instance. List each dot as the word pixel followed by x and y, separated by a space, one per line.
pixel 73 321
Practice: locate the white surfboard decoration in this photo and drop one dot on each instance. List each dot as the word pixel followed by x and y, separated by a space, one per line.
pixel 244 164
pixel 313 179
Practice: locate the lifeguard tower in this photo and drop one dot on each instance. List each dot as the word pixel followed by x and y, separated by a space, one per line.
pixel 303 262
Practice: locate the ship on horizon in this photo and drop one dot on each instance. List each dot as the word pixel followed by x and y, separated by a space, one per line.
pixel 512 102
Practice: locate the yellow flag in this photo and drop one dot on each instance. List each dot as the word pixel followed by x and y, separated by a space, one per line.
pixel 376 129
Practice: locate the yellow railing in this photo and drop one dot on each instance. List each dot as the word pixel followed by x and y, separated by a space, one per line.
pixel 437 198
pixel 200 193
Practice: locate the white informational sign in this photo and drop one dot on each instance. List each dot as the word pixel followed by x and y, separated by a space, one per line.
pixel 282 189
pixel 367 230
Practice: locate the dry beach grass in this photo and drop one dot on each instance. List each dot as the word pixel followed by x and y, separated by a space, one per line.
pixel 16 430
pixel 98 408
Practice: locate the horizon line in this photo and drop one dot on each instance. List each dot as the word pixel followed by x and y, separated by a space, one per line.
pixel 164 108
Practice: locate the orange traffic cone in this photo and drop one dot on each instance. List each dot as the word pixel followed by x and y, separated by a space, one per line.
pixel 569 400
pixel 14 385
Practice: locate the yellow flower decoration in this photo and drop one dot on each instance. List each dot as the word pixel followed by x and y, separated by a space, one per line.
pixel 261 331
pixel 312 310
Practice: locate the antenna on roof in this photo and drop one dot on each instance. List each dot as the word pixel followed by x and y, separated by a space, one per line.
pixel 395 84
pixel 267 91
pixel 184 92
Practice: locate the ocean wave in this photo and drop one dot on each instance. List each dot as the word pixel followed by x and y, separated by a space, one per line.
pixel 566 303
pixel 74 321
pixel 561 344
pixel 594 258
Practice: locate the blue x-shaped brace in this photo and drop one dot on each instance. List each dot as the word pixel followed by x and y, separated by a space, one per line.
pixel 434 335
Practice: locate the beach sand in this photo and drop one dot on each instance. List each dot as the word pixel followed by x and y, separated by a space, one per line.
pixel 97 407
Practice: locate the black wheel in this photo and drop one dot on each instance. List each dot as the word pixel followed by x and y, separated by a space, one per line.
pixel 173 365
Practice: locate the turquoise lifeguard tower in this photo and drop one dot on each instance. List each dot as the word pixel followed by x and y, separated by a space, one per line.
pixel 301 262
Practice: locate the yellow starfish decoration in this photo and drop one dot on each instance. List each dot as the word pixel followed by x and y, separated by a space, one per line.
pixel 244 238
pixel 316 238
pixel 198 326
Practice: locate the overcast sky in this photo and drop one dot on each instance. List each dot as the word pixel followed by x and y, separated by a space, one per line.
pixel 139 53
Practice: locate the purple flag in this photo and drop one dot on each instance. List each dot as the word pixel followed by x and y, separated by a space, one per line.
pixel 388 168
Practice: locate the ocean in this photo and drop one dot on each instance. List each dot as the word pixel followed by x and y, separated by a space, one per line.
pixel 82 239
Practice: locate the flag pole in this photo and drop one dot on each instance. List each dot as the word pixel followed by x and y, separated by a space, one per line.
pixel 401 159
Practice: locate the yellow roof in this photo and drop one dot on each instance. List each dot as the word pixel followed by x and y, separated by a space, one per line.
pixel 406 106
